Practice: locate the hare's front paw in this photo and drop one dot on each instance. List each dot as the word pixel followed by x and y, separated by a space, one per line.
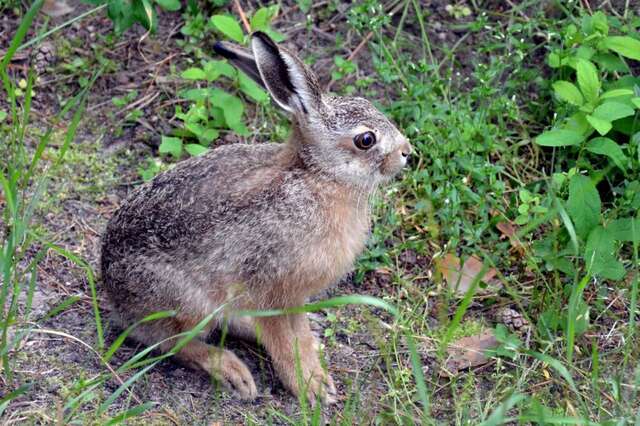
pixel 234 374
pixel 320 384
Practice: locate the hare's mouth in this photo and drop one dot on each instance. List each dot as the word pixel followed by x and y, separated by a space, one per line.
pixel 391 166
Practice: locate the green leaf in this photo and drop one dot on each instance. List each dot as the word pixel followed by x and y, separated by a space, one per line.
pixel 599 22
pixel 228 26
pixel 145 13
pixel 600 255
pixel 583 204
pixel 581 318
pixel 602 126
pixel 568 92
pixel 232 108
pixel 588 80
pixel 251 89
pixel 305 5
pixel 608 147
pixel 208 136
pixel 171 145
pixel 193 74
pixel 261 19
pixel 214 69
pixel 636 102
pixel 578 123
pixel 3 115
pixel 275 35
pixel 170 5
pixel 627 229
pixel 610 62
pixel 195 149
pixel 196 128
pixel 612 111
pixel 623 45
pixel 615 93
pixel 559 137
pixel 195 94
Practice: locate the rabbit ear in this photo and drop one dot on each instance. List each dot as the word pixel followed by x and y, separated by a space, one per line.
pixel 291 84
pixel 240 57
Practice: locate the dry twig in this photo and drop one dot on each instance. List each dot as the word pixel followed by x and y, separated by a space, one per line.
pixel 243 17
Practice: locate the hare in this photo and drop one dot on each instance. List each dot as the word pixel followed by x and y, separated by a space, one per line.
pixel 254 227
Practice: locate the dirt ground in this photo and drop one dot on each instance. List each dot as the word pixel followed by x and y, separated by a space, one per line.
pixel 52 358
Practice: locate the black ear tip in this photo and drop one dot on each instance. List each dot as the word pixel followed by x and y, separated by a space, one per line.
pixel 221 49
pixel 264 37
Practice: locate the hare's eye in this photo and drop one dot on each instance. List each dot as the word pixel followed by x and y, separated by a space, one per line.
pixel 365 140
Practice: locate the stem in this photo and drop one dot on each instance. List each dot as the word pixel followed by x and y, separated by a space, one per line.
pixel 61 26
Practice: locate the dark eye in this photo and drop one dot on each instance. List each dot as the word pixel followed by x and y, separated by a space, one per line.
pixel 365 140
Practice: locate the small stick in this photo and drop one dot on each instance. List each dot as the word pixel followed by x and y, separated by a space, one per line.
pixel 243 17
pixel 360 46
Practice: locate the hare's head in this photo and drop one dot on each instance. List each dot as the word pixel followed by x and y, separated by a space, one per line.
pixel 345 137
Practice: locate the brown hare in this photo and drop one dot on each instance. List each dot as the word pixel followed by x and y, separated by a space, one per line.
pixel 254 227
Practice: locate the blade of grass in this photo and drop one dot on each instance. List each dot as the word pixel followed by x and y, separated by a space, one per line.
pixel 120 339
pixel 498 416
pixel 107 403
pixel 21 32
pixel 460 311
pixel 633 304
pixel 556 365
pixel 92 286
pixel 61 26
pixel 131 412
pixel 6 399
pixel 575 298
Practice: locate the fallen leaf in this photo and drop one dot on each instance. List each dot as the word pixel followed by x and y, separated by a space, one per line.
pixel 56 8
pixel 460 278
pixel 508 230
pixel 468 352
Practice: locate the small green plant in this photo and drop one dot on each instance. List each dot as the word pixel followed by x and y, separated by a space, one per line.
pixel 212 109
pixel 530 205
pixel 125 13
pixel 458 11
pixel 596 136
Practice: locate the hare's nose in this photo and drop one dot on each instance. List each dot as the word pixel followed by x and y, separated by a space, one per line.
pixel 405 149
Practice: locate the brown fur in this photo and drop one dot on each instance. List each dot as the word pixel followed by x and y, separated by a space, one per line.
pixel 253 227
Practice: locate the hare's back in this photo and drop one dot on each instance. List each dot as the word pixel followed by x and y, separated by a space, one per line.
pixel 178 206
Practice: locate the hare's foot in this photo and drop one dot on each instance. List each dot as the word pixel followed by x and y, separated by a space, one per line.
pixel 289 341
pixel 223 365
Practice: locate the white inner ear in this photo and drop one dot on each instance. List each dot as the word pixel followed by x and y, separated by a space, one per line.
pixel 299 81
pixel 264 56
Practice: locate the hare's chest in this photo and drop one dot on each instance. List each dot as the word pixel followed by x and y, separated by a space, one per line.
pixel 341 242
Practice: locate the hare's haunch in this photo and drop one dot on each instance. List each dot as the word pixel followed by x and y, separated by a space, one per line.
pixel 254 226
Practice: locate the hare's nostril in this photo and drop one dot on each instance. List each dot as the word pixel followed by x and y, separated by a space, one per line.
pixel 405 149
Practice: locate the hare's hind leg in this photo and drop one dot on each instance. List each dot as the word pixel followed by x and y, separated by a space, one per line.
pixel 222 364
pixel 139 287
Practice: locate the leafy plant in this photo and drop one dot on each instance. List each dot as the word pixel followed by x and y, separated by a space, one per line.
pixel 126 13
pixel 212 109
pixel 596 133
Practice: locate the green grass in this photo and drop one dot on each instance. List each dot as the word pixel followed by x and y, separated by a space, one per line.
pixel 472 112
